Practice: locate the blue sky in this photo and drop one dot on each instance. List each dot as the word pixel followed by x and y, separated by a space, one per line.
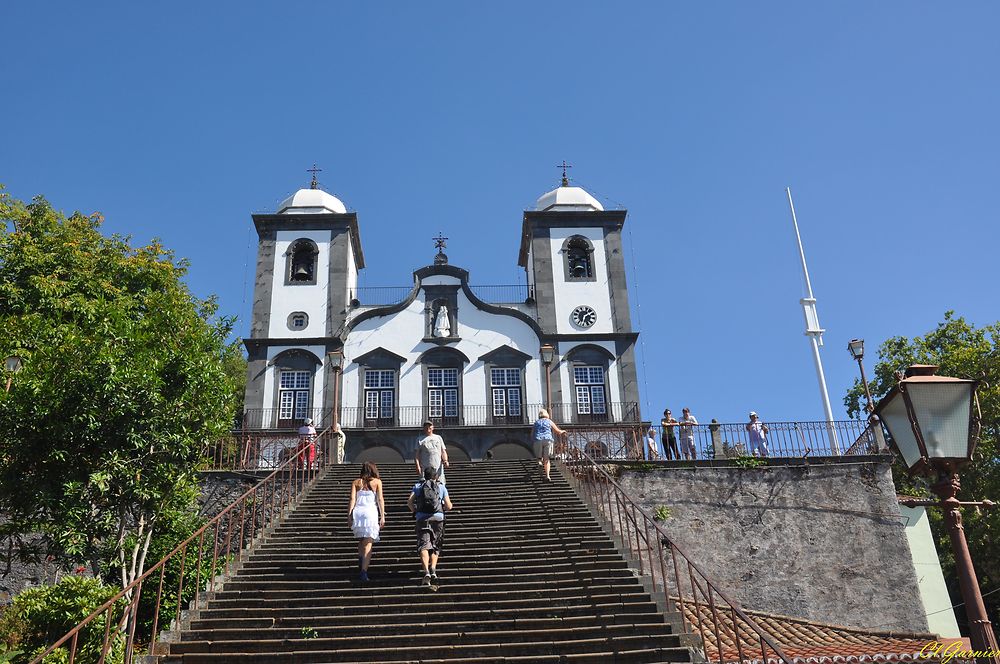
pixel 177 121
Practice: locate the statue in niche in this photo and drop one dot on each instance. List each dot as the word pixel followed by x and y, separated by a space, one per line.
pixel 442 324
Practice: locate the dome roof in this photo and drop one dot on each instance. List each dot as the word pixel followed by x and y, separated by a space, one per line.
pixel 311 201
pixel 567 198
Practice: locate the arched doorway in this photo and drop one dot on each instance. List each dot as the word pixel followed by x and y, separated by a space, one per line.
pixel 509 451
pixel 456 453
pixel 379 454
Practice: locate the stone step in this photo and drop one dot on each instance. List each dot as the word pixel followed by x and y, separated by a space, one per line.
pixel 581 625
pixel 408 614
pixel 510 642
pixel 405 656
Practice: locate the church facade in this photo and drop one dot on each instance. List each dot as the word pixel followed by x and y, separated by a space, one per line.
pixel 478 361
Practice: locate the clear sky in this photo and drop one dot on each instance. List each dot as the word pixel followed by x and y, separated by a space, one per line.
pixel 179 120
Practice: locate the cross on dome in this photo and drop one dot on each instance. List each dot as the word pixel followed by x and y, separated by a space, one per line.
pixel 564 166
pixel 440 242
pixel 314 184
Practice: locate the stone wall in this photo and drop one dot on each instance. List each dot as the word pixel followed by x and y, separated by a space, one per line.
pixel 822 541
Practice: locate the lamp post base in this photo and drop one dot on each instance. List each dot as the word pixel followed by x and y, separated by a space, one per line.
pixel 980 629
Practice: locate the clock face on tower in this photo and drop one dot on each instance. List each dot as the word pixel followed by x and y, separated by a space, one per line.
pixel 584 316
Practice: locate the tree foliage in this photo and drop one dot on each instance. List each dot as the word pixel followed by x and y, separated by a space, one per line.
pixel 124 381
pixel 963 351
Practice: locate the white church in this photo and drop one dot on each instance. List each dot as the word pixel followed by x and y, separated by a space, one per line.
pixel 479 361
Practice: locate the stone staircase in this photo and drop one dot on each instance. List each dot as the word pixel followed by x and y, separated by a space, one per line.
pixel 527 575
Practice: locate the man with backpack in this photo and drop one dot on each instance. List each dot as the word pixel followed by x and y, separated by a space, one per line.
pixel 429 501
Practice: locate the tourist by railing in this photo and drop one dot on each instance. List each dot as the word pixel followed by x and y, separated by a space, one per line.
pixel 382 296
pixel 784 439
pixel 727 633
pixel 130 621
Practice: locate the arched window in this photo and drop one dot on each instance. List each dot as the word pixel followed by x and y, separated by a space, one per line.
pixel 579 259
pixel 301 260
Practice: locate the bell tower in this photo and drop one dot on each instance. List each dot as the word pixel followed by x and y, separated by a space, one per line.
pixel 308 258
pixel 571 250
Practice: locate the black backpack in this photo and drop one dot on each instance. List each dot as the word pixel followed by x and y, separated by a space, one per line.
pixel 428 498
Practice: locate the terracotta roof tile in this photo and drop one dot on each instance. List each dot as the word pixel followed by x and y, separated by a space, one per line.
pixel 803 641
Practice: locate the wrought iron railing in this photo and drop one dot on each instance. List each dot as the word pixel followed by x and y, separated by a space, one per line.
pixel 381 296
pixel 130 621
pixel 483 415
pixel 727 632
pixel 282 418
pixel 505 294
pixel 783 439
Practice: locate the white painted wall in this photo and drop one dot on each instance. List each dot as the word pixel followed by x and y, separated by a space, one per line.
pixel 571 294
pixel 930 579
pixel 271 375
pixel 312 299
pixel 480 332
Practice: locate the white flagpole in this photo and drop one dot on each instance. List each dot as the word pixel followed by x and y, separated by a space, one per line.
pixel 814 332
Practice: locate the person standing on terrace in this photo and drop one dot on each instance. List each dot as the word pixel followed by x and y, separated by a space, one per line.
pixel 757 431
pixel 687 425
pixel 669 438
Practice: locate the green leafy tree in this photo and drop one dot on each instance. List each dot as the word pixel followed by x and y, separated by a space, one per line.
pixel 126 377
pixel 39 616
pixel 964 351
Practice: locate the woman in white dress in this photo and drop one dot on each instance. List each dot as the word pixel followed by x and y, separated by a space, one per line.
pixel 367 513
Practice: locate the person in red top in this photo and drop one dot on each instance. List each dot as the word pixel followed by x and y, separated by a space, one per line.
pixel 307 442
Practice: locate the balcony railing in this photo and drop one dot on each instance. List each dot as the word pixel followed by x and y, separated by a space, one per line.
pixel 278 418
pixel 381 296
pixel 484 416
pixel 783 439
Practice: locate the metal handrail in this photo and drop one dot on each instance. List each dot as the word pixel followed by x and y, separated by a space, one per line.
pixel 646 540
pixel 266 501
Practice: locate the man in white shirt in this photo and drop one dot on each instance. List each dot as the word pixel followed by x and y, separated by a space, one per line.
pixel 687 425
pixel 431 453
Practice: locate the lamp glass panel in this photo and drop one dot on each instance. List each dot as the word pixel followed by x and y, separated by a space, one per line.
pixel 942 411
pixel 13 363
pixel 857 349
pixel 893 415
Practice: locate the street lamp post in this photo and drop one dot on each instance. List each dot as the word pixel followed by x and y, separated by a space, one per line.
pixel 12 364
pixel 856 347
pixel 336 364
pixel 335 359
pixel 934 424
pixel 548 354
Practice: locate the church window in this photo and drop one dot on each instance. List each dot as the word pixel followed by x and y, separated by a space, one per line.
pixel 380 394
pixel 442 393
pixel 302 255
pixel 298 321
pixel 579 259
pixel 590 396
pixel 505 385
pixel 294 388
